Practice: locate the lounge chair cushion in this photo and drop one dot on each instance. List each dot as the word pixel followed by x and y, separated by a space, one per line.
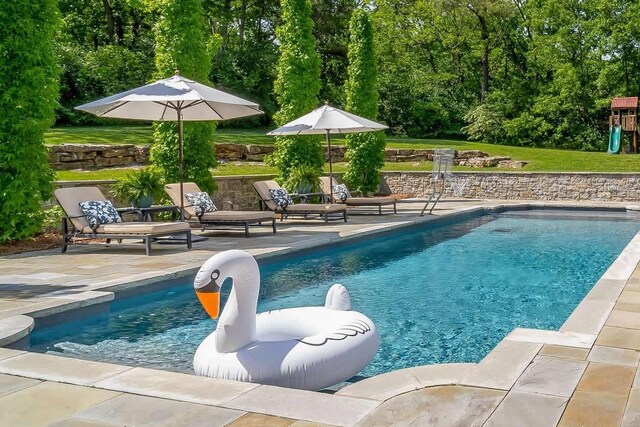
pixel 370 201
pixel 141 228
pixel 281 197
pixel 341 192
pixel 99 212
pixel 313 208
pixel 200 202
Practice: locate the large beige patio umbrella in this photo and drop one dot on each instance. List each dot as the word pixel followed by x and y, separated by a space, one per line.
pixel 174 99
pixel 328 120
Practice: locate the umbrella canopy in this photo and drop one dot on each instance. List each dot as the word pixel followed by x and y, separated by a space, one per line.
pixel 328 120
pixel 174 99
pixel 161 100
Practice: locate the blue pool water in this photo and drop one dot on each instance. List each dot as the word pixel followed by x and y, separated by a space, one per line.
pixel 437 294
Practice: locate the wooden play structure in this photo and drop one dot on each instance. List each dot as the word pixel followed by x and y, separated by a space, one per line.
pixel 623 118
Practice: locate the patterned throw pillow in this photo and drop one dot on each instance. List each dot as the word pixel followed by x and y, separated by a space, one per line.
pixel 201 202
pixel 341 192
pixel 281 197
pixel 99 212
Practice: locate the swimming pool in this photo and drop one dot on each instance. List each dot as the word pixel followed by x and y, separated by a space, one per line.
pixel 438 294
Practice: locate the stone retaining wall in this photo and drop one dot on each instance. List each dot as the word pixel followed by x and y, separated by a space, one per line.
pixel 89 156
pixel 605 187
pixel 609 187
pixel 238 190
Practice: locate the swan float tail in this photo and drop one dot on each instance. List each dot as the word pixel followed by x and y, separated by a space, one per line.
pixel 338 298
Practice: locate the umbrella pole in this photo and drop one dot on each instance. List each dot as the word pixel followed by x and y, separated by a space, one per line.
pixel 328 138
pixel 181 161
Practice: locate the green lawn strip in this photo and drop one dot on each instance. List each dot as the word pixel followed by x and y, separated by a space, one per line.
pixel 105 135
pixel 237 168
pixel 540 159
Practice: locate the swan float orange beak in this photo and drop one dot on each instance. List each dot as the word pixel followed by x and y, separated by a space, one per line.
pixel 209 296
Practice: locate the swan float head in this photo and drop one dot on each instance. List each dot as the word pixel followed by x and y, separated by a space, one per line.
pixel 305 347
pixel 209 294
pixel 237 324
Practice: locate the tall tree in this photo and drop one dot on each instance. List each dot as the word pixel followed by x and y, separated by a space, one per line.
pixel 105 47
pixel 247 58
pixel 297 86
pixel 29 88
pixel 181 45
pixel 365 151
pixel 331 31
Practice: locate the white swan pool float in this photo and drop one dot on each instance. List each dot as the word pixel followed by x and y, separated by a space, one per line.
pixel 306 348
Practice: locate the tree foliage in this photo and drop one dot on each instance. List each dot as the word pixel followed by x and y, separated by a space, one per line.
pixel 29 88
pixel 247 58
pixel 181 45
pixel 297 86
pixel 104 47
pixel 365 151
pixel 525 72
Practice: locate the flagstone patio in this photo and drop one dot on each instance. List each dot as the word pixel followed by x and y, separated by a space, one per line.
pixel 583 375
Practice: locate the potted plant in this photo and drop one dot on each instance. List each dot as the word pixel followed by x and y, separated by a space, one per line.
pixel 303 179
pixel 140 187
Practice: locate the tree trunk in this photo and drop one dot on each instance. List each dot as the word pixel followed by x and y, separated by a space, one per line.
pixel 108 12
pixel 243 20
pixel 484 36
pixel 224 28
pixel 484 40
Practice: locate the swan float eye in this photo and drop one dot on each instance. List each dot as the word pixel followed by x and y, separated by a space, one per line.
pixel 209 295
pixel 215 275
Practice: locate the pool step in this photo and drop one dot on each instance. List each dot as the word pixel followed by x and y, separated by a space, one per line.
pixel 386 386
pixel 565 339
pixel 501 368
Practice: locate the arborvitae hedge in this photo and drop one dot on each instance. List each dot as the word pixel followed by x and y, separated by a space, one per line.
pixel 28 96
pixel 181 45
pixel 297 86
pixel 365 151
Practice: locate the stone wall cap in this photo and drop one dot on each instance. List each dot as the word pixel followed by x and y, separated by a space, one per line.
pixel 82 182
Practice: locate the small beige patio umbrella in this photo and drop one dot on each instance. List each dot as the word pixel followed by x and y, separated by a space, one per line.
pixel 174 99
pixel 328 120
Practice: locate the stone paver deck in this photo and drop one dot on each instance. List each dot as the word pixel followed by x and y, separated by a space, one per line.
pixel 586 374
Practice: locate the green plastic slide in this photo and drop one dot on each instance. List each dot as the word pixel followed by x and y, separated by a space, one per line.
pixel 614 140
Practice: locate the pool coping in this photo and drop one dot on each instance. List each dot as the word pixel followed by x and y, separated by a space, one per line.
pixel 499 370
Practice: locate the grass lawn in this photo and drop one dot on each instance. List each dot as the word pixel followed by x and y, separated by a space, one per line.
pixel 540 159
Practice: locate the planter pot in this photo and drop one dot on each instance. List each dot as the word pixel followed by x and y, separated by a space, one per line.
pixel 143 202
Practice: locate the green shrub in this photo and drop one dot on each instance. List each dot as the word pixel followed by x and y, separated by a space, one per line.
pixel 181 45
pixel 486 123
pixel 303 179
pixel 52 218
pixel 297 86
pixel 140 187
pixel 365 151
pixel 29 88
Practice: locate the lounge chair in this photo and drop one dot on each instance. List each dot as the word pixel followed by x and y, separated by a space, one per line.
pixel 326 184
pixel 76 225
pixel 325 211
pixel 219 217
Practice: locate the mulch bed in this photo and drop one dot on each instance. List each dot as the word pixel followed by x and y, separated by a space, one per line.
pixel 49 240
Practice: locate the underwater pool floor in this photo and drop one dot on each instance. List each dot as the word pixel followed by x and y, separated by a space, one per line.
pixel 438 294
